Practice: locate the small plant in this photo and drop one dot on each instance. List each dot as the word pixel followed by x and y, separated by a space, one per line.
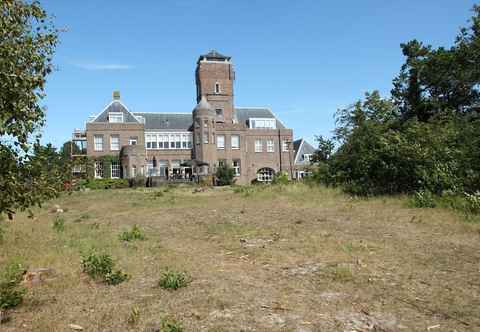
pixel 170 325
pixel 424 199
pixel 101 266
pixel 472 203
pixel 224 176
pixel 174 280
pixel 134 234
pixel 134 316
pixel 280 178
pixel 83 217
pixel 59 224
pixel 341 274
pixel 11 293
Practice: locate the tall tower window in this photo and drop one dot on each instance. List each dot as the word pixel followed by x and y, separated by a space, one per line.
pixel 217 88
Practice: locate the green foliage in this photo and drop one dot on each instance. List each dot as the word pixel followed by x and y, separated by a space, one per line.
pixel 174 280
pixel 134 234
pixel 170 325
pixel 103 183
pixel 58 224
pixel 424 199
pixel 134 316
pixel 101 266
pixel 472 203
pixel 281 178
pixel 224 175
pixel 11 293
pixel 27 43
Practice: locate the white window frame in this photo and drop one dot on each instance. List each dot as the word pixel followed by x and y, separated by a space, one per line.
pixel 262 123
pixel 133 171
pixel 307 157
pixel 98 142
pixel 115 170
pixel 235 146
pixel 115 117
pixel 265 175
pixel 284 146
pixel 132 141
pixel 221 142
pixel 270 145
pixel 168 141
pixel 258 145
pixel 115 147
pixel 237 167
pixel 99 169
pixel 217 88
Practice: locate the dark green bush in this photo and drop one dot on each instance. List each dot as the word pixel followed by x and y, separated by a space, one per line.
pixel 281 178
pixel 170 325
pixel 101 266
pixel 58 224
pixel 224 175
pixel 102 184
pixel 11 293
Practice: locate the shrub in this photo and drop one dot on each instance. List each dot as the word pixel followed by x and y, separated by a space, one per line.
pixel 134 234
pixel 170 325
pixel 280 178
pixel 424 199
pixel 472 203
pixel 224 176
pixel 95 184
pixel 11 293
pixel 101 266
pixel 174 280
pixel 58 224
pixel 134 316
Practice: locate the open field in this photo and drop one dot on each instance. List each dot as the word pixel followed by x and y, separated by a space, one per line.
pixel 288 258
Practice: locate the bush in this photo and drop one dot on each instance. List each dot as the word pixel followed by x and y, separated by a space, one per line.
pixel 174 280
pixel 472 203
pixel 170 325
pixel 11 293
pixel 100 266
pixel 224 176
pixel 58 224
pixel 95 184
pixel 280 178
pixel 134 234
pixel 424 199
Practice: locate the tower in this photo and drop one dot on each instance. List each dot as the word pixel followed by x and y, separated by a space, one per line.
pixel 205 149
pixel 214 78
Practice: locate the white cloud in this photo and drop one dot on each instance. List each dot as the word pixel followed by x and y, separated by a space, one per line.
pixel 109 66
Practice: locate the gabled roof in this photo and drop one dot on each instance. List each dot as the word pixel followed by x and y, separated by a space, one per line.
pixel 167 121
pixel 116 106
pixel 242 114
pixel 213 55
pixel 302 147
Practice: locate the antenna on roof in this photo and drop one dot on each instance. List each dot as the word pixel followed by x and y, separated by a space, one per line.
pixel 116 95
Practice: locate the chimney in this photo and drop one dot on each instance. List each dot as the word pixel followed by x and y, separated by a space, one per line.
pixel 116 95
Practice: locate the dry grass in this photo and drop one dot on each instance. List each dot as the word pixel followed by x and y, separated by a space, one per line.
pixel 280 259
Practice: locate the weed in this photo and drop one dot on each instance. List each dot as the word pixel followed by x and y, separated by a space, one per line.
pixel 134 234
pixel 100 266
pixel 341 274
pixel 423 199
pixel 134 316
pixel 170 325
pixel 472 203
pixel 83 216
pixel 174 280
pixel 58 224
pixel 11 293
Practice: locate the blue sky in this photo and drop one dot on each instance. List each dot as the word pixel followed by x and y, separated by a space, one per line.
pixel 304 59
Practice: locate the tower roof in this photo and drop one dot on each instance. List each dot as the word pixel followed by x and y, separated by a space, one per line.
pixel 213 55
pixel 203 105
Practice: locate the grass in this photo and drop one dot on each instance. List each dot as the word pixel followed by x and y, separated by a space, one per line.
pixel 258 258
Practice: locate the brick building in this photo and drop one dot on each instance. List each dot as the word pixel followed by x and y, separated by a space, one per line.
pixel 171 146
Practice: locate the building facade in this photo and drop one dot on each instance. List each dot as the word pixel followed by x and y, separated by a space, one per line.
pixel 182 146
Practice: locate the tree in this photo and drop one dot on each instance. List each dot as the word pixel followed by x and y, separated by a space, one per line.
pixel 27 43
pixel 224 175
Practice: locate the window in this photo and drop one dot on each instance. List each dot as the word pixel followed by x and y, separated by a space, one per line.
pixel 307 157
pixel 270 145
pixel 133 171
pixel 235 141
pixel 162 167
pixel 169 141
pixel 132 140
pixel 205 137
pixel 114 142
pixel 262 123
pixel 148 141
pixel 217 88
pixel 285 146
pixel 258 145
pixel 150 168
pixel 115 117
pixel 220 142
pixel 98 169
pixel 219 114
pixel 265 175
pixel 236 167
pixel 172 141
pixel 98 142
pixel 178 143
pixel 115 170
pixel 222 162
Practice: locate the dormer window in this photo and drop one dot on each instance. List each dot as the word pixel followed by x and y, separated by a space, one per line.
pixel 262 123
pixel 217 88
pixel 115 117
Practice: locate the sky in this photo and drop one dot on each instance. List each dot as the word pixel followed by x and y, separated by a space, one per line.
pixel 303 59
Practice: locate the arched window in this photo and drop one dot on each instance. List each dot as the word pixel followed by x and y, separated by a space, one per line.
pixel 217 87
pixel 265 174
